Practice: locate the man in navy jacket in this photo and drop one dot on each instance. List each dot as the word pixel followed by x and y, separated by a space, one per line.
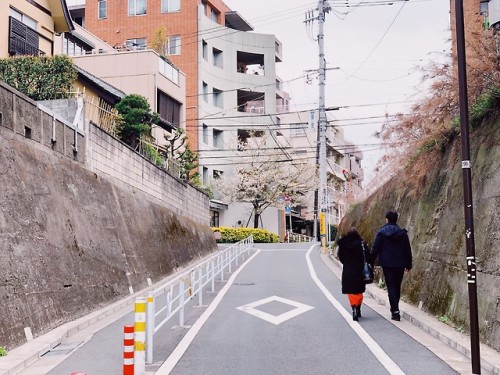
pixel 392 247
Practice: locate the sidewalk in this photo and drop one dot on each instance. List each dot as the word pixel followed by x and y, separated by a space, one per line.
pixel 420 322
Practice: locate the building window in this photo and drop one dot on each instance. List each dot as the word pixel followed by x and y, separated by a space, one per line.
pixel 23 18
pixel 217 97
pixel 72 48
pixel 205 92
pixel 169 109
pixel 217 56
pixel 217 138
pixel 168 6
pixel 205 176
pixel 102 9
pixel 205 134
pixel 214 15
pixel 174 45
pixel 137 7
pixel 23 40
pixel 136 43
pixel 204 47
pixel 214 219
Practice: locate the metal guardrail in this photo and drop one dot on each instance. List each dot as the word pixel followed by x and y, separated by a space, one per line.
pixel 180 291
pixel 297 237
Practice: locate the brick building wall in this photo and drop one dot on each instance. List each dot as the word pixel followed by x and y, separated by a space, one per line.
pixel 118 26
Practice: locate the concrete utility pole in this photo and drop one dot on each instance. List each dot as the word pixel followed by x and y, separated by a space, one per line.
pixel 466 173
pixel 323 8
pixel 321 194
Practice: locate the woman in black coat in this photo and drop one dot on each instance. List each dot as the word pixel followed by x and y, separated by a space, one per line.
pixel 351 256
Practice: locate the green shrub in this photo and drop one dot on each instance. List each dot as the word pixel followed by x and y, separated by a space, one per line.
pixel 40 78
pixel 233 235
pixel 3 351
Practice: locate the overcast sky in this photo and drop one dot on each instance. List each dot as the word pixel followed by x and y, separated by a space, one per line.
pixel 377 48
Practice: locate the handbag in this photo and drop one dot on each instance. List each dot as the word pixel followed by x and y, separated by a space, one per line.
pixel 367 268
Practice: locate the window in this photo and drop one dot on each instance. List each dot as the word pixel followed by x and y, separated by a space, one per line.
pixel 136 43
pixel 205 92
pixel 23 39
pixel 214 218
pixel 137 7
pixel 71 46
pixel 217 56
pixel 168 70
pixel 204 47
pixel 23 18
pixel 168 6
pixel 102 9
pixel 205 176
pixel 214 15
pixel 217 138
pixel 169 109
pixel 174 45
pixel 205 134
pixel 217 97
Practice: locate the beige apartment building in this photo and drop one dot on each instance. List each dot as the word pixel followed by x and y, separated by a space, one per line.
pixel 30 27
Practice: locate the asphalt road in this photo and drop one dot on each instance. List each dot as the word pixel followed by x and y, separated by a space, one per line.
pixel 281 313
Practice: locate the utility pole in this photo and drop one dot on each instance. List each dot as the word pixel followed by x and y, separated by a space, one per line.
pixel 466 174
pixel 321 194
pixel 323 8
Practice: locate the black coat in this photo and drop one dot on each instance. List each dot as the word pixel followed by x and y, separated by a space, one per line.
pixel 392 247
pixel 351 256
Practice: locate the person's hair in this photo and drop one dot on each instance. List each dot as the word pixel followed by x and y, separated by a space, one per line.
pixel 353 232
pixel 391 216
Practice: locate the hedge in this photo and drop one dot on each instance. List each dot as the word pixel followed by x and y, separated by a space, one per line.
pixel 233 235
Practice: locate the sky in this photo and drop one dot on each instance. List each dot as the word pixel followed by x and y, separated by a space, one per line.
pixel 374 49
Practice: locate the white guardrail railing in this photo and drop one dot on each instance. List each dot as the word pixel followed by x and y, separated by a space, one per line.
pixel 177 293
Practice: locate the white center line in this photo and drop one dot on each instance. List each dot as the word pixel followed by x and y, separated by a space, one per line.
pixel 377 351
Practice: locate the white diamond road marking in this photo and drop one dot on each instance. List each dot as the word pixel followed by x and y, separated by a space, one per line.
pixel 300 308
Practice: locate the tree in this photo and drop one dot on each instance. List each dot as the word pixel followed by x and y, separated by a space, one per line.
pixel 179 151
pixel 159 40
pixel 266 173
pixel 136 119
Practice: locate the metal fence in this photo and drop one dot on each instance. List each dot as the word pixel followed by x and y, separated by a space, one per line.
pixel 179 292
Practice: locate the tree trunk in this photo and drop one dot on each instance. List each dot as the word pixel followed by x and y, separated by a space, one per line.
pixel 256 217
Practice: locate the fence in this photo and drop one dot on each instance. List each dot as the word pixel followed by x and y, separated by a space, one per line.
pixel 296 237
pixel 180 291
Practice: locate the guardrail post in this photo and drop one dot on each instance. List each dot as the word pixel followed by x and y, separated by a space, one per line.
pixel 140 336
pixel 181 302
pixel 150 328
pixel 230 256
pixel 200 289
pixel 128 350
pixel 213 276
pixel 238 251
pixel 221 262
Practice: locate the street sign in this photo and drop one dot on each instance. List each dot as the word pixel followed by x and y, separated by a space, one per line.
pixel 280 199
pixel 288 209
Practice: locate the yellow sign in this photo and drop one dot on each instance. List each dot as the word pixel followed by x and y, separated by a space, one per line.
pixel 322 223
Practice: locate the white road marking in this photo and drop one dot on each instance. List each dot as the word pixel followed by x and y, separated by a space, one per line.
pixel 377 351
pixel 188 338
pixel 300 308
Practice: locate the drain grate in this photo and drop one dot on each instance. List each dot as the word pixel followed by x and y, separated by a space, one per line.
pixel 244 284
pixel 62 349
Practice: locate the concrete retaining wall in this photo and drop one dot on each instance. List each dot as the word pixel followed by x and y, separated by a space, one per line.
pixel 72 241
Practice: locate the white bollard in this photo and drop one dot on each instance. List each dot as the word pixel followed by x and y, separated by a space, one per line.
pixel 150 328
pixel 140 336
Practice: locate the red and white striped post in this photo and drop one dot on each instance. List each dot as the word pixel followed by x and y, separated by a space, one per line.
pixel 128 350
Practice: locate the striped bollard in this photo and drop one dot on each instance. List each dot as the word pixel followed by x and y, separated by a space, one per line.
pixel 150 328
pixel 128 350
pixel 140 336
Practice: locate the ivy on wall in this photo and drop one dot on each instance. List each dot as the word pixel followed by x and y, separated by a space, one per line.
pixel 40 78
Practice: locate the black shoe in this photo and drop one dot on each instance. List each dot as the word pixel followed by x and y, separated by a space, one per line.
pixel 358 311
pixel 354 314
pixel 396 316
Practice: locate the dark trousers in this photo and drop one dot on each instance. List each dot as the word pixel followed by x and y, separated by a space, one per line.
pixel 393 279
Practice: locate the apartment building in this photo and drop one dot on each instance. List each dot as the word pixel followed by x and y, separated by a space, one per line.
pixel 227 66
pixel 30 27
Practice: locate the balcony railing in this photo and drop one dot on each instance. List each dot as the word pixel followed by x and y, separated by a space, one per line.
pixel 19 47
